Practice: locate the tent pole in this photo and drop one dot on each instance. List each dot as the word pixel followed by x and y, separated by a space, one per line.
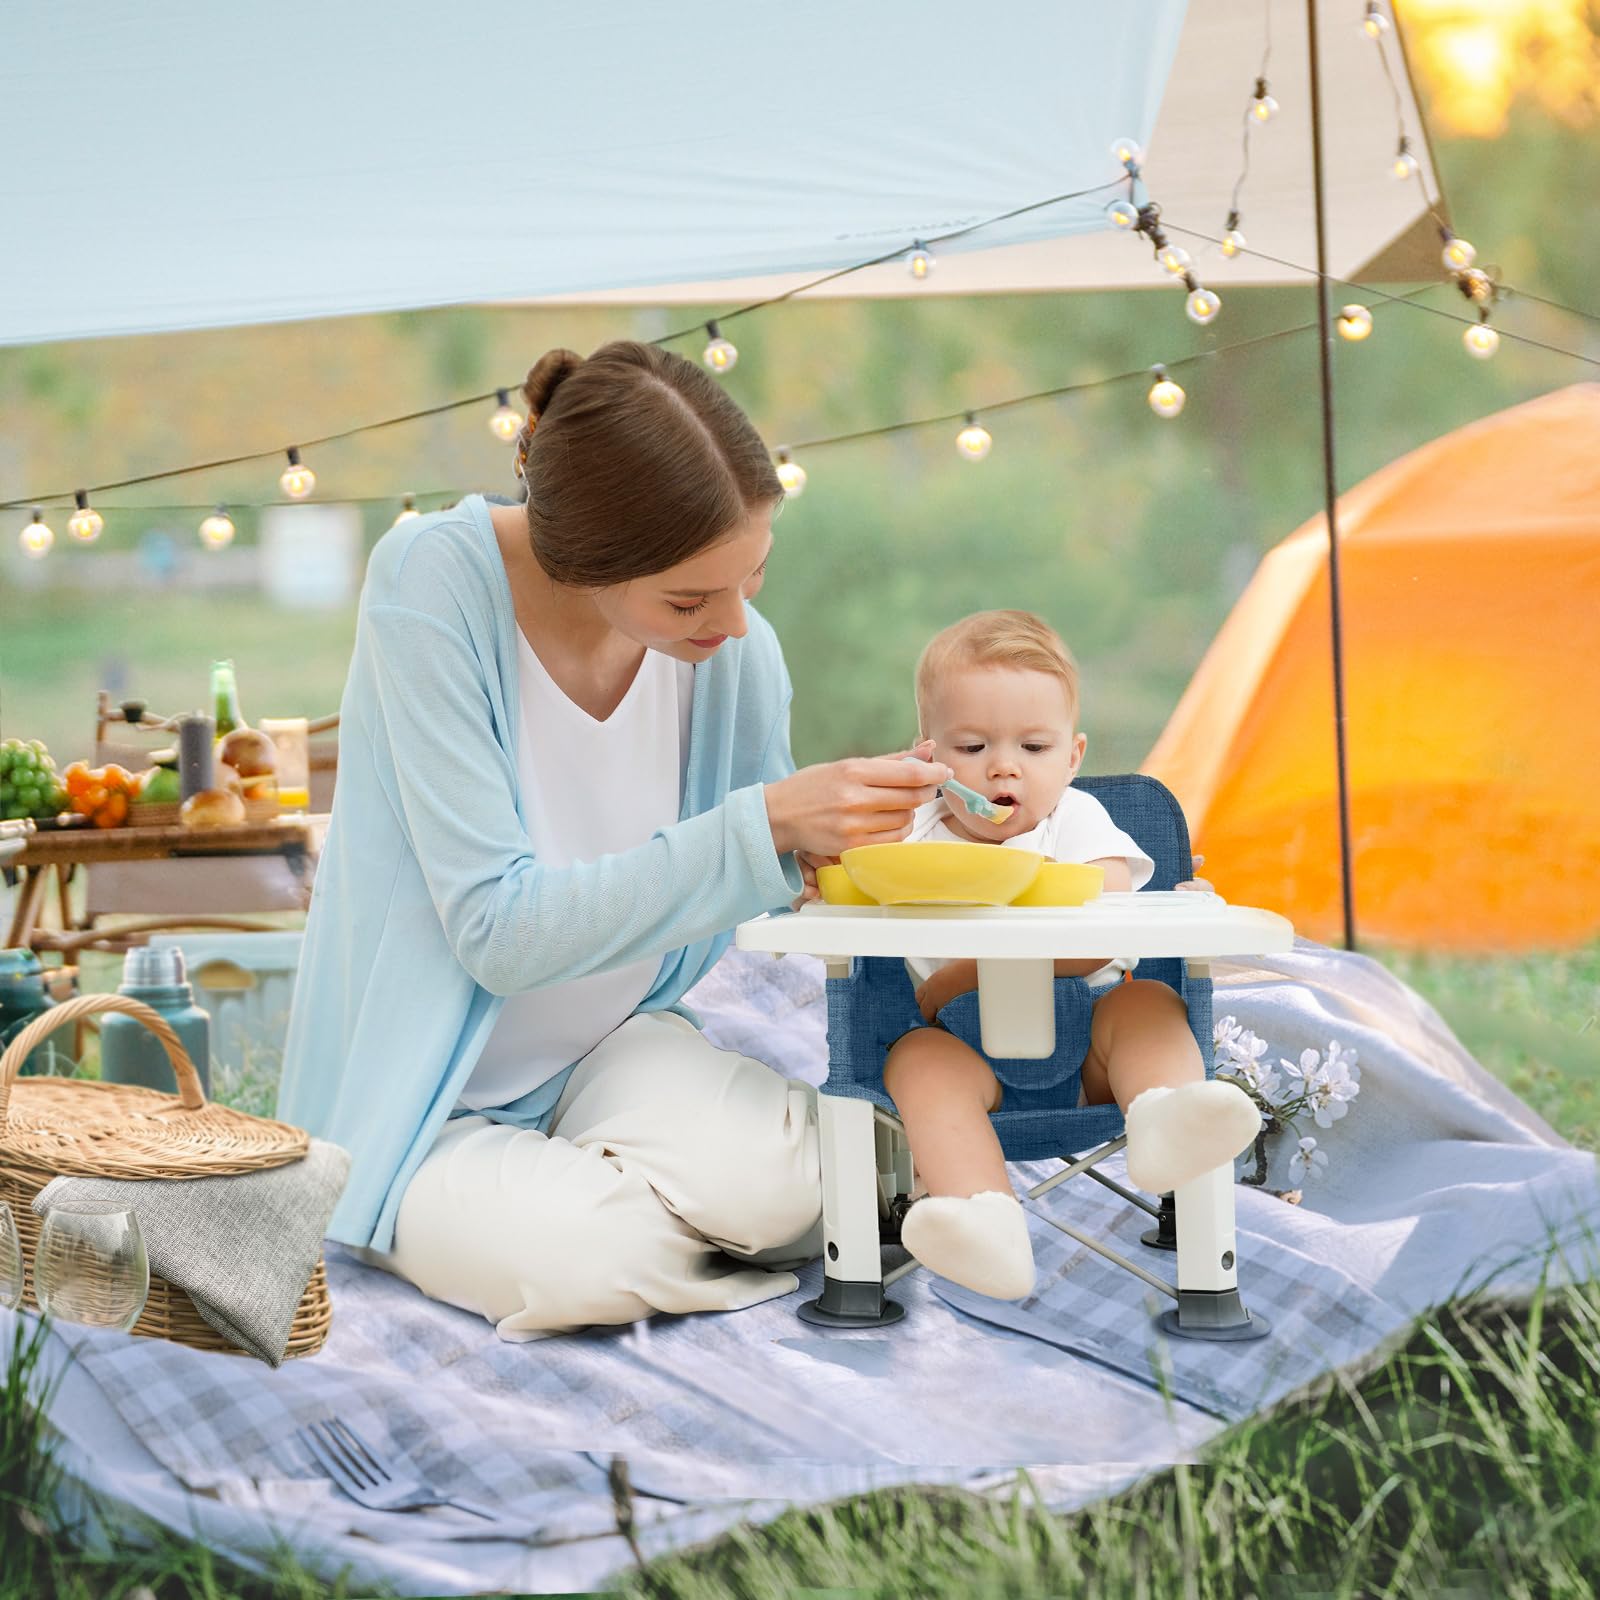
pixel 1330 484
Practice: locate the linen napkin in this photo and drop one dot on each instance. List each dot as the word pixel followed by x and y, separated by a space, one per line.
pixel 241 1247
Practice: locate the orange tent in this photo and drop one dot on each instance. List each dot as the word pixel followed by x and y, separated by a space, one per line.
pixel 1470 577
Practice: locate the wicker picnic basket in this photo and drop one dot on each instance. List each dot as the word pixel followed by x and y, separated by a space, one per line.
pixel 55 1126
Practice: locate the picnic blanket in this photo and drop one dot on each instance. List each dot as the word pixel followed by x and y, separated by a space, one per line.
pixel 1440 1181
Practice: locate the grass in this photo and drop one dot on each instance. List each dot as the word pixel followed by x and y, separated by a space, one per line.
pixel 1465 1464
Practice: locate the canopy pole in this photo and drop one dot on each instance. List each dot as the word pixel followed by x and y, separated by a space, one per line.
pixel 1330 484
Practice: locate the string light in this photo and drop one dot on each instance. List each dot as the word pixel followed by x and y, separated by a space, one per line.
pixel 1174 259
pixel 1405 164
pixel 1165 397
pixel 1123 213
pixel 1127 153
pixel 85 523
pixel 1355 323
pixel 1480 340
pixel 1202 305
pixel 720 354
pixel 1374 24
pixel 1232 240
pixel 1476 285
pixel 791 475
pixel 974 441
pixel 1457 254
pixel 217 531
pixel 920 263
pixel 506 422
pixel 408 509
pixel 37 537
pixel 297 480
pixel 1263 107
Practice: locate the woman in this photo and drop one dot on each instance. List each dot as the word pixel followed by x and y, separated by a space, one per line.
pixel 564 776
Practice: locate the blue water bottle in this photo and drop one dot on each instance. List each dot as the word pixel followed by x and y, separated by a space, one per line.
pixel 129 1051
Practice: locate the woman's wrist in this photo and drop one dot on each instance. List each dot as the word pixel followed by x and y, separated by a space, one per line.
pixel 778 818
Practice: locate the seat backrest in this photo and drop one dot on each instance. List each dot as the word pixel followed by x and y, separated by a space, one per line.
pixel 1147 809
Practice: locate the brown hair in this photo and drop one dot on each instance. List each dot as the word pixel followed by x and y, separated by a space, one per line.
pixel 633 461
pixel 1016 639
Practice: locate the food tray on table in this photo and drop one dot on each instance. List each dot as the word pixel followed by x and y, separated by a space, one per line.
pixel 50 1127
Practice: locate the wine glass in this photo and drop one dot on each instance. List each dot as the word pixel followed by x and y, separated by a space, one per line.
pixel 91 1266
pixel 10 1261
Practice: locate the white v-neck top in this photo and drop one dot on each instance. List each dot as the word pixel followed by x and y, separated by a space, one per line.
pixel 588 789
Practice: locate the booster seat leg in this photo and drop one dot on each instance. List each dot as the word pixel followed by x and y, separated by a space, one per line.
pixel 1209 1306
pixel 852 1282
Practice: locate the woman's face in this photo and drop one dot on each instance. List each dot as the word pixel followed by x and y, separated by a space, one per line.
pixel 687 611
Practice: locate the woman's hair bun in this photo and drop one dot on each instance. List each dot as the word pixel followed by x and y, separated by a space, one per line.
pixel 545 376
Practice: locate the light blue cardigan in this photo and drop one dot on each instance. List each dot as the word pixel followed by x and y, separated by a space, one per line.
pixel 429 906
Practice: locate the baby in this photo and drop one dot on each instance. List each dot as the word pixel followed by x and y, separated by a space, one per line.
pixel 997 697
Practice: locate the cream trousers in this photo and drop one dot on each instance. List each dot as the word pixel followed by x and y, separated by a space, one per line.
pixel 666 1158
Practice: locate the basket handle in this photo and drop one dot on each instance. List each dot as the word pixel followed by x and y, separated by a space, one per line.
pixel 191 1097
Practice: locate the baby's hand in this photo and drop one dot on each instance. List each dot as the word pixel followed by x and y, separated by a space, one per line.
pixel 959 977
pixel 808 865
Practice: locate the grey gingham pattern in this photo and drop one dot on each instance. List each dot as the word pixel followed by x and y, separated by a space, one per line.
pixel 1439 1177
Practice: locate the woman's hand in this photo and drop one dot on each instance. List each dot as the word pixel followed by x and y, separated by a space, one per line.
pixel 956 977
pixel 1199 885
pixel 828 809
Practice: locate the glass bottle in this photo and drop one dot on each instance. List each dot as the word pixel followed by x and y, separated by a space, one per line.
pixel 225 699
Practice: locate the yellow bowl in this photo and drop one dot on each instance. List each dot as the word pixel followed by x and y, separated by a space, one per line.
pixel 838 889
pixel 1063 883
pixel 936 874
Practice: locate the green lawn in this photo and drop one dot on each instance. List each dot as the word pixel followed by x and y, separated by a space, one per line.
pixel 1464 1464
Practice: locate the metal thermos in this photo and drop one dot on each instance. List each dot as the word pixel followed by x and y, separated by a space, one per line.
pixel 196 737
pixel 129 1051
pixel 22 998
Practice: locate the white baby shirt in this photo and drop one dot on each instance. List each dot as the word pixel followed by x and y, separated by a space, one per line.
pixel 589 789
pixel 1079 828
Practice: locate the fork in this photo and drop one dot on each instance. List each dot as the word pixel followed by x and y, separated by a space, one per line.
pixel 371 1479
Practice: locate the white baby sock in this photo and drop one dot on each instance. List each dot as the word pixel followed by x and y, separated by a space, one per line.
pixel 1174 1135
pixel 978 1240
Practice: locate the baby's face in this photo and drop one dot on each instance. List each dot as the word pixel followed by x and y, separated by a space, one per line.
pixel 1008 733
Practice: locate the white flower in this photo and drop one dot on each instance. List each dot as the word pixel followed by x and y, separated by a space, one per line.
pixel 1257 1076
pixel 1305 1071
pixel 1224 1031
pixel 1307 1161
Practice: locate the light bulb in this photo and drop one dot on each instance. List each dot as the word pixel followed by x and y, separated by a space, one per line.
pixel 1481 341
pixel 85 523
pixel 1123 213
pixel 408 509
pixel 1374 24
pixel 217 530
pixel 1232 243
pixel 1457 255
pixel 920 262
pixel 720 354
pixel 298 480
pixel 1405 164
pixel 1174 258
pixel 791 475
pixel 1355 323
pixel 1202 306
pixel 974 441
pixel 1479 285
pixel 505 423
pixel 37 537
pixel 1166 398
pixel 1263 108
pixel 1127 152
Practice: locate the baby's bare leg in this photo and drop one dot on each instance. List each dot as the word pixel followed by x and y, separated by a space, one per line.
pixel 968 1227
pixel 1142 1055
pixel 1139 1039
pixel 944 1092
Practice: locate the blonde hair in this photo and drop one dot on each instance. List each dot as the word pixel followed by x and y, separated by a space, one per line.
pixel 1016 639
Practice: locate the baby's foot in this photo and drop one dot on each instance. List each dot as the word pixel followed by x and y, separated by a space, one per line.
pixel 1175 1135
pixel 978 1240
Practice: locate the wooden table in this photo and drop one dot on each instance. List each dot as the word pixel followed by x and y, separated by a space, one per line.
pixel 296 838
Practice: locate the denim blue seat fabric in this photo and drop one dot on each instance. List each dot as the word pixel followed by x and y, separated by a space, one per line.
pixel 1039 1117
